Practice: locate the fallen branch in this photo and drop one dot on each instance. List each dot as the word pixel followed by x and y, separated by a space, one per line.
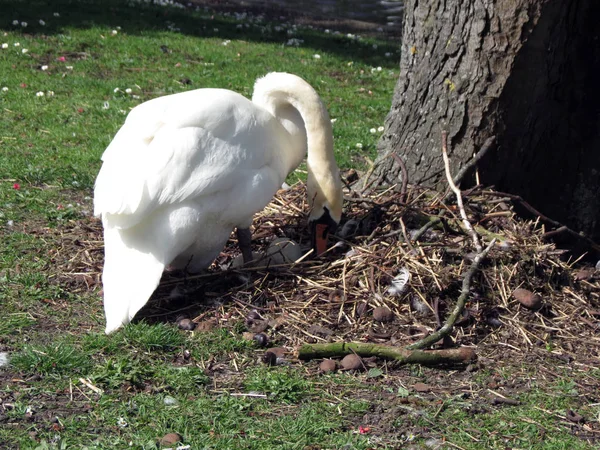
pixel 402 355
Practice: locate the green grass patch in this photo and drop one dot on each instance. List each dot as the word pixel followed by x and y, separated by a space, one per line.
pixel 282 384
pixel 52 359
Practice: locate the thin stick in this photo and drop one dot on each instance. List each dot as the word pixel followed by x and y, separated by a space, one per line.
pixel 433 220
pixel 460 303
pixel 456 191
pixel 96 389
pixel 406 238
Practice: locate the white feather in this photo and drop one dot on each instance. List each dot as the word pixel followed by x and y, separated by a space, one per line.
pixel 186 169
pixel 400 282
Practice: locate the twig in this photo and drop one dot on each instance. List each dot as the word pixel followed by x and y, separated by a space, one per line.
pixel 250 394
pixel 406 238
pixel 96 389
pixel 456 191
pixel 505 401
pixel 433 221
pixel 552 233
pixel 460 303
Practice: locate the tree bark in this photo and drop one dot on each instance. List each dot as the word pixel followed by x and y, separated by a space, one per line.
pixel 521 75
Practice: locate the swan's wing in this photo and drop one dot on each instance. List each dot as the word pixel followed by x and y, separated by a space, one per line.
pixel 189 146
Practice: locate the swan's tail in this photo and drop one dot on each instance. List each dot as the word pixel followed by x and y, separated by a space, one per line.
pixel 130 277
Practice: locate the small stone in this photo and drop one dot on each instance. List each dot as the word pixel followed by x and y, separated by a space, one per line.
pixel 248 335
pixel 361 309
pixel 4 359
pixel 383 314
pixel 254 315
pixel 278 351
pixel 269 358
pixel 327 365
pixel 584 273
pixel 261 339
pixel 422 387
pixel 207 325
pixel 170 439
pixel 318 330
pixel 170 401
pixel 352 362
pixel 257 326
pixel 186 324
pixel 528 299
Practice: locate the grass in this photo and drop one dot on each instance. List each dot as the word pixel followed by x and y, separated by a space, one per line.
pixel 69 385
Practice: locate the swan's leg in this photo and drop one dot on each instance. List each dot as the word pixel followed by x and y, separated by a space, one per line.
pixel 244 239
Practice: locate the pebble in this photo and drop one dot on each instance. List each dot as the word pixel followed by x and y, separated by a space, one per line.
pixel 186 324
pixel 327 365
pixel 261 339
pixel 585 273
pixel 528 299
pixel 171 439
pixel 206 325
pixel 3 359
pixel 383 314
pixel 170 401
pixel 352 362
pixel 361 309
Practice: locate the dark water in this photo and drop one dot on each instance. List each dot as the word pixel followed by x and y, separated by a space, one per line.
pixel 383 12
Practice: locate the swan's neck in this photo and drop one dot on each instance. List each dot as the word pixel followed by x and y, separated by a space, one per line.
pixel 299 109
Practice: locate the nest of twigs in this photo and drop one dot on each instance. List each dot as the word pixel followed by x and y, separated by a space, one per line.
pixel 382 235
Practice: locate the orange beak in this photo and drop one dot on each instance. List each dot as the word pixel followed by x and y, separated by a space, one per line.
pixel 321 237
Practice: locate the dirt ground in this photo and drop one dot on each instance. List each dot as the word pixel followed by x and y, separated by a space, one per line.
pixel 335 298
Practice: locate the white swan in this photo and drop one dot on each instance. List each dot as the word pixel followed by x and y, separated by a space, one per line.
pixel 185 169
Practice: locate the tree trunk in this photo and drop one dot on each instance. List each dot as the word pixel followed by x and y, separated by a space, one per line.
pixel 522 75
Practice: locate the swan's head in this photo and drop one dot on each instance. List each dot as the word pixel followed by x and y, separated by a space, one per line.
pixel 325 197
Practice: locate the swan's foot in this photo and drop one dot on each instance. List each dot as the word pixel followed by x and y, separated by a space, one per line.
pixel 244 240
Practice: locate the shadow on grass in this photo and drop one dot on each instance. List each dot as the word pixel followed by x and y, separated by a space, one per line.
pixel 141 18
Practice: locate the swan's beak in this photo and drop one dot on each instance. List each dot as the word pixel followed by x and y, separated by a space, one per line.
pixel 321 238
pixel 320 232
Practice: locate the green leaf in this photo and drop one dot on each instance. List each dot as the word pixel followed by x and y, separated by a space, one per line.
pixel 374 373
pixel 402 392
